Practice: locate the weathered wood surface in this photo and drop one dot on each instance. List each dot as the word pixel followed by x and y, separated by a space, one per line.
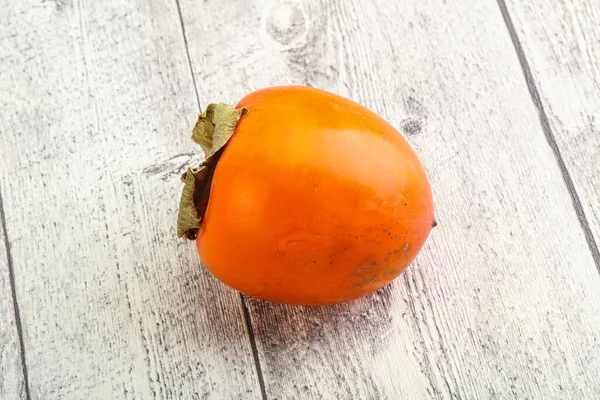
pixel 97 102
pixel 12 383
pixel 560 41
pixel 504 301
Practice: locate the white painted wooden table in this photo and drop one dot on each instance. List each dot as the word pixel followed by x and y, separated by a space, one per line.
pixel 100 300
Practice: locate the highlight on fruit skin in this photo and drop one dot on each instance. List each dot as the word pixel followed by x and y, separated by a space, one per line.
pixel 305 197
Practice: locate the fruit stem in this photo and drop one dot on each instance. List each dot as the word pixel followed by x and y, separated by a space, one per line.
pixel 214 128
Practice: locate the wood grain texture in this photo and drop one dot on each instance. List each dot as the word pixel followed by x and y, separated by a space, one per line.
pixel 504 301
pixel 97 105
pixel 561 41
pixel 12 383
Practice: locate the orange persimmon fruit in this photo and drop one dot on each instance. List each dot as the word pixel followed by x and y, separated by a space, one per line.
pixel 305 198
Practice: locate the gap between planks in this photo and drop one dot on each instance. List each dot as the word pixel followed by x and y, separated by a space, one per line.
pixel 13 290
pixel 246 312
pixel 535 97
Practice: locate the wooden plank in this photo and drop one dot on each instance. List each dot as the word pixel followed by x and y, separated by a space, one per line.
pixel 504 301
pixel 12 383
pixel 561 44
pixel 97 105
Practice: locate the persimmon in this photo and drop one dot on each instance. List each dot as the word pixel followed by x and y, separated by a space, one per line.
pixel 305 197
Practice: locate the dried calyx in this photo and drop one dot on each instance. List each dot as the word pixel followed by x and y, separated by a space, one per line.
pixel 212 131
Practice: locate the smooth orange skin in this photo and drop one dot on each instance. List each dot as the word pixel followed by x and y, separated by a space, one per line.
pixel 315 200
